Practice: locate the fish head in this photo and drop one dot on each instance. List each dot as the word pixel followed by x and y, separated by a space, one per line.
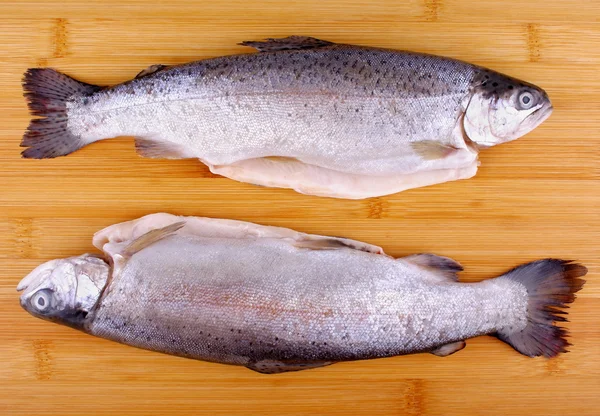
pixel 64 290
pixel 502 109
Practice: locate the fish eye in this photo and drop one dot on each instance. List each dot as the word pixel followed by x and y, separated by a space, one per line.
pixel 526 100
pixel 41 300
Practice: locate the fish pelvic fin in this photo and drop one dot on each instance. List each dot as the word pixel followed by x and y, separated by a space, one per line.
pixel 285 44
pixel 47 92
pixel 551 284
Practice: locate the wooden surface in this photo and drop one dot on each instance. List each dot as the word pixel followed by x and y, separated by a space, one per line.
pixel 533 198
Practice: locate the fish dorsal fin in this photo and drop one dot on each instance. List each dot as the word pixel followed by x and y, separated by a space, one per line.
pixel 286 44
pixel 444 266
pixel 150 238
pixel 150 70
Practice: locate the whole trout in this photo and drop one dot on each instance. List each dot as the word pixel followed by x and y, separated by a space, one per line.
pixel 276 300
pixel 322 118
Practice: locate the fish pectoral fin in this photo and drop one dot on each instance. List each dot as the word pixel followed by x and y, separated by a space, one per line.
pixel 289 43
pixel 150 238
pixel 432 150
pixel 445 267
pixel 449 349
pixel 150 70
pixel 159 149
pixel 276 367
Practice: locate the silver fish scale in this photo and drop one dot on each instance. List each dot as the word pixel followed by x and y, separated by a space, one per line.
pixel 243 301
pixel 346 108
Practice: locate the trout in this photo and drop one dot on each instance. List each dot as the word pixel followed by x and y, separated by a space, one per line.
pixel 276 300
pixel 319 117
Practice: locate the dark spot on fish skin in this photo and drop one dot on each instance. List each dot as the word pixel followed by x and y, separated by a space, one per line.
pixel 148 338
pixel 510 87
pixel 495 84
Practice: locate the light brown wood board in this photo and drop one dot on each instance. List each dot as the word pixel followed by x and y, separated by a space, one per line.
pixel 533 198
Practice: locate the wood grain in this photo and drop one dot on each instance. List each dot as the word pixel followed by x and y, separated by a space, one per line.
pixel 536 197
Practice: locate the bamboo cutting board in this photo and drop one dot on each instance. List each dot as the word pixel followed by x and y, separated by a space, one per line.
pixel 536 197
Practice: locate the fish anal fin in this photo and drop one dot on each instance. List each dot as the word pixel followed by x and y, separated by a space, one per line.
pixel 159 149
pixel 276 367
pixel 150 238
pixel 432 150
pixel 449 349
pixel 443 266
pixel 289 43
pixel 150 70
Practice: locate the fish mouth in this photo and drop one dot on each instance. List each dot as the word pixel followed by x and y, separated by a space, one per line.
pixel 541 114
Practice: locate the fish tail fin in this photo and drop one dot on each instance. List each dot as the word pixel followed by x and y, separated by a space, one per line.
pixel 47 92
pixel 550 284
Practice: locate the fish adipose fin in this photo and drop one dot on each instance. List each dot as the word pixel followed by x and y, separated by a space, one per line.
pixel 47 92
pixel 551 284
pixel 275 367
pixel 289 43
pixel 449 349
pixel 150 238
pixel 445 267
pixel 432 150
